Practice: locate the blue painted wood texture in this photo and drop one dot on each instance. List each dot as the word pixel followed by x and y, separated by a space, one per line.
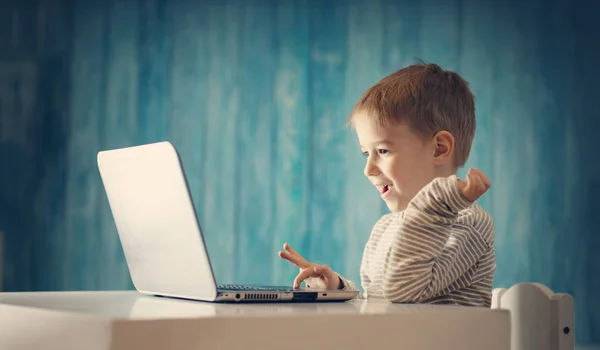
pixel 254 94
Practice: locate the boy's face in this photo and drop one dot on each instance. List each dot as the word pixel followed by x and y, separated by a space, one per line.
pixel 399 161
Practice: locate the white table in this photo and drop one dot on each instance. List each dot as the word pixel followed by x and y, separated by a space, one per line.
pixel 128 320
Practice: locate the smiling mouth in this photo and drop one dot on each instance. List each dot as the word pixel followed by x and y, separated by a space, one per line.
pixel 383 189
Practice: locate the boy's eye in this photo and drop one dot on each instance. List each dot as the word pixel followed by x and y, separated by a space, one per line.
pixel 379 151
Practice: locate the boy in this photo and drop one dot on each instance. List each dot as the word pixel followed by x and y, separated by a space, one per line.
pixel 415 128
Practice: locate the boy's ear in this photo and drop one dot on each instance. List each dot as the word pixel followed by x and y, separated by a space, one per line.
pixel 443 147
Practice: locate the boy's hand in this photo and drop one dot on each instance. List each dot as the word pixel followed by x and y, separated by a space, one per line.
pixel 308 269
pixel 475 186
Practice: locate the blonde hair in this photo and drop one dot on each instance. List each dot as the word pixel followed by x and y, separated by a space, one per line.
pixel 428 99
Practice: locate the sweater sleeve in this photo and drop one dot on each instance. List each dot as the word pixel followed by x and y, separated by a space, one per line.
pixel 364 277
pixel 432 250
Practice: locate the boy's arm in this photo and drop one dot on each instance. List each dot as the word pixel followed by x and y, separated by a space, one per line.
pixel 364 278
pixel 432 250
pixel 348 285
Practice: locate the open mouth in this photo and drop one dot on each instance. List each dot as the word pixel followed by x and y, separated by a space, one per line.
pixel 383 189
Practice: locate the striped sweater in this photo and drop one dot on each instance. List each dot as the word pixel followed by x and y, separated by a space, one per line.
pixel 440 250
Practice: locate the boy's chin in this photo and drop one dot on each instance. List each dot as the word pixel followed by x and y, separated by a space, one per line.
pixel 395 205
pixel 394 208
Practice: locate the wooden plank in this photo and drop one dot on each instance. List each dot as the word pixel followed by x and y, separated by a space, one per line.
pixel 568 272
pixel 439 32
pixel 401 35
pixel 120 124
pixel 517 168
pixel 53 20
pixel 78 270
pixel 477 62
pixel 1 261
pixel 291 133
pixel 18 23
pixel 361 201
pixel 189 89
pixel 329 55
pixel 6 14
pixel 154 70
pixel 51 140
pixel 254 180
pixel 19 97
pixel 220 196
pixel 575 256
pixel 547 126
pixel 18 94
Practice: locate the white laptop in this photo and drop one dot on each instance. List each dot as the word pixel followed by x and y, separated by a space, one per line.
pixel 161 236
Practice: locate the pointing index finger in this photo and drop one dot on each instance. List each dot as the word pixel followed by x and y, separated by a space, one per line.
pixel 304 274
pixel 299 262
pixel 289 249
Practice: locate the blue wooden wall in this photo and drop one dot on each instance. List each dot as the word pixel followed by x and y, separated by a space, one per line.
pixel 254 94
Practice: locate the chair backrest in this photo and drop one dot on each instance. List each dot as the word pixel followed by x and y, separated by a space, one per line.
pixel 540 319
pixel 1 257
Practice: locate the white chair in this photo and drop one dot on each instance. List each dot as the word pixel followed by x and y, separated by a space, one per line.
pixel 540 319
pixel 1 251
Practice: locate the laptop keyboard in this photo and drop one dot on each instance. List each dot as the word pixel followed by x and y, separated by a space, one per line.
pixel 253 288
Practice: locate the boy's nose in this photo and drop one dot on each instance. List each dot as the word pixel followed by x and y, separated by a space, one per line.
pixel 371 169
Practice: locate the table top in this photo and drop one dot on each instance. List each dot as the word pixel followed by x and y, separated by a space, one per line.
pixel 116 320
pixel 133 305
